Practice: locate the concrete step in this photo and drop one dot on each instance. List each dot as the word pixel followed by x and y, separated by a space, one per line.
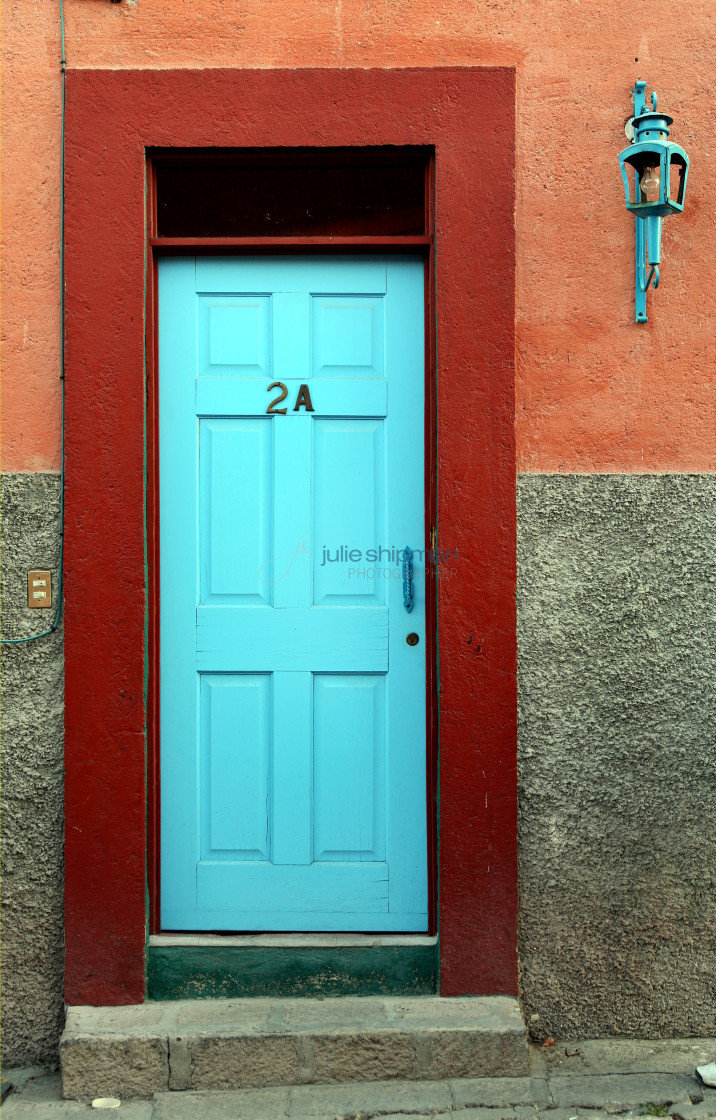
pixel 136 1051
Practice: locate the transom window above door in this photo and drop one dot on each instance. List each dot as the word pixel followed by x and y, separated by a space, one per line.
pixel 379 192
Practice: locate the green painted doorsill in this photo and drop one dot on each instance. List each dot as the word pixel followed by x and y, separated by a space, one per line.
pixel 182 966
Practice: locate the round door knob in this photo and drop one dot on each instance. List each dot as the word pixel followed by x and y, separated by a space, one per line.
pixel 412 639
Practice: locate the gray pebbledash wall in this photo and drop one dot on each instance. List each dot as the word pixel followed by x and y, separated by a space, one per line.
pixel 31 814
pixel 617 771
pixel 617 727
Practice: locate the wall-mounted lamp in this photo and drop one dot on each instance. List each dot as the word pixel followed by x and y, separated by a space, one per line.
pixel 654 173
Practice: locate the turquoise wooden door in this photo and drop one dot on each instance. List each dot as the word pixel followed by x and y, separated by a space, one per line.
pixel 292 707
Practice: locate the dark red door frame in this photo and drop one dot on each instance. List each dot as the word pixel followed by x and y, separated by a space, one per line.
pixel 113 117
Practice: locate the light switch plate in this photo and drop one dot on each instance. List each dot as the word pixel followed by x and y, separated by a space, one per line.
pixel 39 589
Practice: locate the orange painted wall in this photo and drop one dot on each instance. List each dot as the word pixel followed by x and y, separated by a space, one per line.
pixel 595 392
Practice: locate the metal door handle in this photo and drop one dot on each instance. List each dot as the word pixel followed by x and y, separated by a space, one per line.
pixel 408 599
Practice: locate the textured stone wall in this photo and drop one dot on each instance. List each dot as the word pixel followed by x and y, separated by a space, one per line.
pixel 617 671
pixel 32 774
pixel 617 717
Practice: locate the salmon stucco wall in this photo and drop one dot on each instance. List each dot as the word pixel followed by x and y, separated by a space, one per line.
pixel 595 391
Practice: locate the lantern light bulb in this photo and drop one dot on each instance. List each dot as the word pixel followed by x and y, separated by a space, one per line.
pixel 650 184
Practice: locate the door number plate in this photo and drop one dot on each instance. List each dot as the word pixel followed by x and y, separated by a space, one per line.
pixel 303 399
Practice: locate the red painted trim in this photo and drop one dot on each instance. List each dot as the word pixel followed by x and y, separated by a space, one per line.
pixel 405 155
pixel 153 582
pixel 105 618
pixel 431 517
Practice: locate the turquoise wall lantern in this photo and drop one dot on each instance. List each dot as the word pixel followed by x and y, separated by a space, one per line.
pixel 654 173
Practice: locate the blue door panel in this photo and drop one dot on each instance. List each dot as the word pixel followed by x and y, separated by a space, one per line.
pixel 234 336
pixel 349 746
pixel 348 459
pixel 235 753
pixel 347 336
pixel 292 708
pixel 235 466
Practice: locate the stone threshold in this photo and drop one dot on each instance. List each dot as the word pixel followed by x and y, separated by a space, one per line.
pixel 136 1051
pixel 291 940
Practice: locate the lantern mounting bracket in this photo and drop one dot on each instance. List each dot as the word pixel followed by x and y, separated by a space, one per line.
pixel 642 280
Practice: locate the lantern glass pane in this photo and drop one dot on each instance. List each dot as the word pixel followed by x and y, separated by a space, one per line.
pixel 631 179
pixel 676 181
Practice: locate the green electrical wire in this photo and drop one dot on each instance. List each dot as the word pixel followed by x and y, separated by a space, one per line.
pixel 51 629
